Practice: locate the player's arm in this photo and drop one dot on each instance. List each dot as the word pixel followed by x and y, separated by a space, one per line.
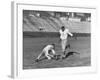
pixel 53 51
pixel 70 33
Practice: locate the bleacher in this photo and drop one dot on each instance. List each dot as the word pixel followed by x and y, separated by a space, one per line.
pixel 52 24
pixel 77 27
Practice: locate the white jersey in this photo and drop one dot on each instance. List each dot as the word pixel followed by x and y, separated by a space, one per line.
pixel 46 51
pixel 64 34
pixel 47 48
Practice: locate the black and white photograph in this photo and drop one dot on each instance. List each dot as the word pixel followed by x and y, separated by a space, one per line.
pixel 52 39
pixel 56 39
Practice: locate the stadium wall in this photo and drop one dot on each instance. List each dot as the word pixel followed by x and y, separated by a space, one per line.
pixel 51 34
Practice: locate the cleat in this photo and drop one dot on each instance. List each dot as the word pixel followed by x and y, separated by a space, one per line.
pixel 37 60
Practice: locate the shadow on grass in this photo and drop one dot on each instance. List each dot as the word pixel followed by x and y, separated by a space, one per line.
pixel 71 53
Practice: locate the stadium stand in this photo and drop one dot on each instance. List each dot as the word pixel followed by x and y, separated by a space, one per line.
pixel 27 26
pixel 77 27
pixel 52 24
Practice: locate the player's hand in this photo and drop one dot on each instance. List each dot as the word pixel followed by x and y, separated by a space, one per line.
pixel 71 35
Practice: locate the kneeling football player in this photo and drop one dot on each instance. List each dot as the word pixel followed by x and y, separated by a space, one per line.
pixel 48 51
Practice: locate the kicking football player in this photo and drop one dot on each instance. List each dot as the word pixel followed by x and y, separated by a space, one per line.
pixel 48 51
pixel 63 38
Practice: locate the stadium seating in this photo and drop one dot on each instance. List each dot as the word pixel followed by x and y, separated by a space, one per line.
pixel 52 24
pixel 78 27
pixel 27 26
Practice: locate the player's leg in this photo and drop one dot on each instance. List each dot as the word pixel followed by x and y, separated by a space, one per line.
pixel 64 42
pixel 67 45
pixel 62 45
pixel 54 56
pixel 64 48
pixel 39 56
pixel 47 55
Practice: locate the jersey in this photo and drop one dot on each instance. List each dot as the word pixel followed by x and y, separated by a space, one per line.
pixel 47 48
pixel 64 34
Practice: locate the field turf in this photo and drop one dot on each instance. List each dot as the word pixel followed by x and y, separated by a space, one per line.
pixel 33 46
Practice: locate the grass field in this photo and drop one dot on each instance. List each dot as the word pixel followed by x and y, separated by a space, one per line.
pixel 33 46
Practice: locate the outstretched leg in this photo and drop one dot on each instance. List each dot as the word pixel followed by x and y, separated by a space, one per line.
pixel 37 59
pixel 63 43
